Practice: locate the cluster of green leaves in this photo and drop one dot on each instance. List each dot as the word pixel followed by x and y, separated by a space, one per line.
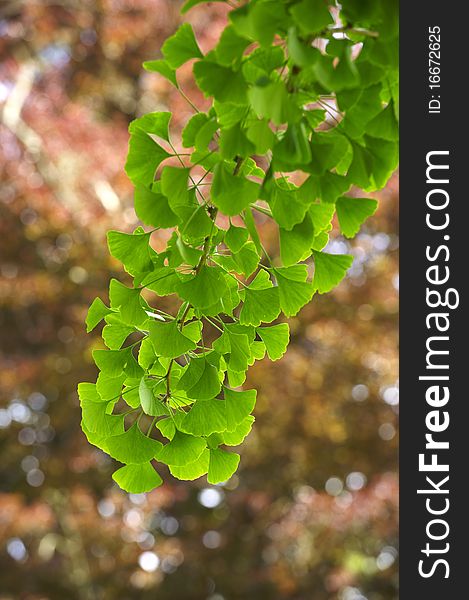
pixel 304 106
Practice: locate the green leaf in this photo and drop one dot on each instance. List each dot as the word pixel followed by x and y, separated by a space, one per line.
pixel 110 388
pixel 237 436
pixel 143 158
pixel 236 237
pixel 181 47
pixel 151 406
pixel 260 134
pixel 192 128
pixel 204 288
pixel 182 450
pixel 233 142
pixel 296 244
pixel 286 205
pixel 237 346
pixel 132 447
pixel 88 391
pixel 384 125
pixel 361 168
pixel 276 339
pixel 137 479
pixel 231 46
pixel 174 186
pixel 193 470
pixel 156 123
pixel 223 83
pixel 239 405
pixel 163 68
pixel 232 193
pixel 112 362
pixel 293 149
pixel 329 270
pixel 204 418
pixel 222 465
pixel 129 303
pixel 200 380
pixel 115 334
pixel 96 312
pixel 327 187
pixel 294 290
pixel 153 209
pixel 321 214
pixel 261 302
pixel 274 102
pixel 131 250
pixel 353 212
pixel 311 16
pixel 385 157
pixel 167 340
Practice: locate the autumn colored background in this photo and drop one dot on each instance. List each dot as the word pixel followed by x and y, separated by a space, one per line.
pixel 312 514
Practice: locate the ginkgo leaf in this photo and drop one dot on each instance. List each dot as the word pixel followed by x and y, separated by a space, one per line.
pixel 132 447
pixel 182 450
pixel 231 46
pixel 162 67
pixel 352 212
pixel 143 158
pixel 238 435
pixel 129 303
pixel 193 470
pixel 205 288
pixel 222 465
pixel 384 125
pixel 167 340
pixel 192 128
pixel 238 406
pixel 181 47
pixel 232 193
pixel 115 334
pixel 201 380
pixel 239 350
pixel 287 206
pixel 131 250
pixel 223 83
pixel 329 270
pixel 236 237
pixel 205 417
pixel 153 208
pixel 111 362
pixel 110 388
pixel 261 302
pixel 151 406
pixel 276 339
pixel 294 290
pixel 96 312
pixel 296 243
pixel 137 479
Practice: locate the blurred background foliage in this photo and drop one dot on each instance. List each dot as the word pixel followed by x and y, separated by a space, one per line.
pixel 313 512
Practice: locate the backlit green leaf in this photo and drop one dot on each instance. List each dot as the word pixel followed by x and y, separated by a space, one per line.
pixel 222 465
pixel 132 447
pixel 137 479
pixel 352 212
pixel 329 270
pixel 276 339
pixel 181 47
pixel 167 340
pixel 182 450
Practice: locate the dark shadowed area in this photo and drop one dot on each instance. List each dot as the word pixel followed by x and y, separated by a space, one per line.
pixel 312 513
